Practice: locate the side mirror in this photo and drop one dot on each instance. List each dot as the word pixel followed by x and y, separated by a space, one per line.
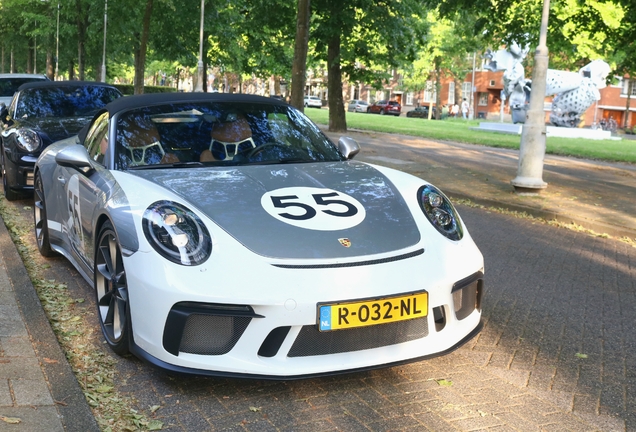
pixel 75 157
pixel 348 147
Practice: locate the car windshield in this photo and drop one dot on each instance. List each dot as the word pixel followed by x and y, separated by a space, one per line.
pixel 66 101
pixel 8 86
pixel 218 133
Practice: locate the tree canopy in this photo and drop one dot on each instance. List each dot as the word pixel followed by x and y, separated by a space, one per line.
pixel 352 40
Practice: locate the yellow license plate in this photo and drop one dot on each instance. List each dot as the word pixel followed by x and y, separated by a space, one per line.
pixel 362 313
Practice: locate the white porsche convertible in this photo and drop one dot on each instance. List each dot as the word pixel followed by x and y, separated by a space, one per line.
pixel 226 235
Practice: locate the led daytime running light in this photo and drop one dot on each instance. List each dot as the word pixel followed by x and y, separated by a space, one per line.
pixel 440 212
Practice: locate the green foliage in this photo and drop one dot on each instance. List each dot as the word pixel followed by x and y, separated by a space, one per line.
pixel 129 89
pixel 578 30
pixel 374 36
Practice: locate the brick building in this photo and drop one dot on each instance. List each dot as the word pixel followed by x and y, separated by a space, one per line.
pixel 486 98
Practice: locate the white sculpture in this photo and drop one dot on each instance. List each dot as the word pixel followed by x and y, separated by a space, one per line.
pixel 516 87
pixel 574 92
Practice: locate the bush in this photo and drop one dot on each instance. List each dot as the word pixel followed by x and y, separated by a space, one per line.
pixel 129 89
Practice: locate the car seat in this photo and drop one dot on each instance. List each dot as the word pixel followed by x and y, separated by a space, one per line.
pixel 143 143
pixel 229 138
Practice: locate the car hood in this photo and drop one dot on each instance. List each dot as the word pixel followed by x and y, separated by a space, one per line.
pixel 300 211
pixel 55 128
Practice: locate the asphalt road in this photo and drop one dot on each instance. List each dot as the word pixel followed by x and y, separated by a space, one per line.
pixel 556 353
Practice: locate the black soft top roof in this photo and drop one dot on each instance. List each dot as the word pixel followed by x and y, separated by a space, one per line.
pixel 140 101
pixel 56 84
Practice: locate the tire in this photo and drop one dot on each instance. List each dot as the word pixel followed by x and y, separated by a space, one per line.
pixel 40 221
pixel 111 291
pixel 381 112
pixel 9 194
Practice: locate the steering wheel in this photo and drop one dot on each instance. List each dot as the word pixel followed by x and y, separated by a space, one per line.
pixel 260 148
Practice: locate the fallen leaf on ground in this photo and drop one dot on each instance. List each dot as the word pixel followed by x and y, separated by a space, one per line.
pixel 10 420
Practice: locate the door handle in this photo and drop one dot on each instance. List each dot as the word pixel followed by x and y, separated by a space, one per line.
pixel 61 180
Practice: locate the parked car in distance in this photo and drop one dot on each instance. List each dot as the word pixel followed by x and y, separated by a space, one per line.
pixel 357 105
pixel 385 107
pixel 225 234
pixel 41 113
pixel 421 112
pixel 313 102
pixel 10 82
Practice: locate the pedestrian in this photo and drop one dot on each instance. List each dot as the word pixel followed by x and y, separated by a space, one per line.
pixel 465 109
pixel 444 112
pixel 454 110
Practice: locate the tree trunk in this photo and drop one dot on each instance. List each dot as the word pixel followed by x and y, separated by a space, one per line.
pixel 630 86
pixel 71 70
pixel 337 119
pixel 82 25
pixel 299 65
pixel 50 69
pixel 140 53
pixel 29 67
pixel 438 87
pixel 206 35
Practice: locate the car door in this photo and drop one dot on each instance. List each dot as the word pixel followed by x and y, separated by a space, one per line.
pixel 83 196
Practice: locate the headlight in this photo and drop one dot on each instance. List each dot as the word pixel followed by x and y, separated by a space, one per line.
pixel 176 233
pixel 28 139
pixel 440 212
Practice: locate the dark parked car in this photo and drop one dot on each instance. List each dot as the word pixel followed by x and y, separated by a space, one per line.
pixel 421 112
pixel 385 107
pixel 9 84
pixel 40 114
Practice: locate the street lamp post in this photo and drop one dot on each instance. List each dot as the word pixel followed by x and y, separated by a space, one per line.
pixel 532 148
pixel 104 51
pixel 35 52
pixel 57 40
pixel 199 86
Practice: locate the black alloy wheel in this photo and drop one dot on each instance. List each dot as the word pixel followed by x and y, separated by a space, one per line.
pixel 111 291
pixel 9 194
pixel 40 221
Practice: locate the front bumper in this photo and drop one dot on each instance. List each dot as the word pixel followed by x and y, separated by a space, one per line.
pixel 20 174
pixel 264 323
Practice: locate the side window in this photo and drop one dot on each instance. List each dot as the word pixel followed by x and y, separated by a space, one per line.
pixel 96 142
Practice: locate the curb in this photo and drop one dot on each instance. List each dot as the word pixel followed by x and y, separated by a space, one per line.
pixel 75 414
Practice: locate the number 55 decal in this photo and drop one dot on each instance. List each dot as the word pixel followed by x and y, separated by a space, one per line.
pixel 314 208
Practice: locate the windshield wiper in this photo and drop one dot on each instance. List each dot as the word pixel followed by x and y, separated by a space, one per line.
pixel 172 165
pixel 280 161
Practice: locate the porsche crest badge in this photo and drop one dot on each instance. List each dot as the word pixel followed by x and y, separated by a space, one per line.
pixel 345 242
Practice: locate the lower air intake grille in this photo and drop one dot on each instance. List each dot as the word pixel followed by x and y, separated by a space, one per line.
pixel 311 342
pixel 212 335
